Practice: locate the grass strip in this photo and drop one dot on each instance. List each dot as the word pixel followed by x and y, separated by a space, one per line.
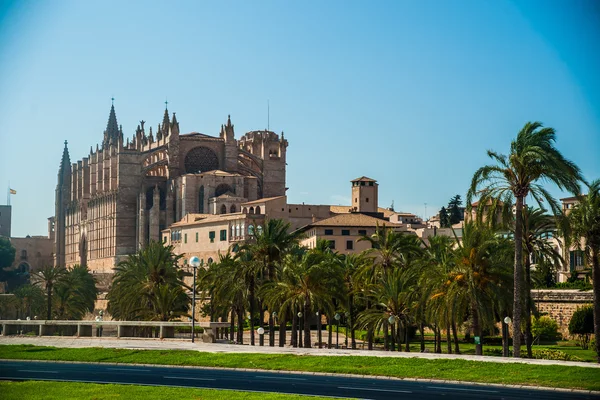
pixel 556 376
pixel 73 390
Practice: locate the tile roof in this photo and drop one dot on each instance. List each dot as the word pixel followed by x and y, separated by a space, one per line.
pixel 354 219
pixel 260 201
pixel 363 179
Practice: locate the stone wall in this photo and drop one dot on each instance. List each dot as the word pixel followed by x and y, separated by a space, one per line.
pixel 561 304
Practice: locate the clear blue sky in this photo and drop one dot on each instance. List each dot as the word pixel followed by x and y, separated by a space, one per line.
pixel 411 93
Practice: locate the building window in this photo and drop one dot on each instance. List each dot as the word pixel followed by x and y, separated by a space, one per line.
pixel 164 239
pixel 223 235
pixel 257 211
pixel 367 200
pixel 349 245
pixel 233 231
pixel 576 259
pixel 210 260
pixel 232 208
pixel 211 236
pixel 23 254
pixel 345 232
pixel 362 232
pixel 329 231
pixel 237 230
pixel 196 237
pixel 223 209
pixel 185 238
pixel 331 244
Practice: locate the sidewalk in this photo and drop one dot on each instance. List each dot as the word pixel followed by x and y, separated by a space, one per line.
pixel 178 344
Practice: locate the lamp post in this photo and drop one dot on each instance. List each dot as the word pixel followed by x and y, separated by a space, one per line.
pixel 506 347
pixel 300 329
pixel 392 321
pixel 337 317
pixel 261 332
pixel 319 335
pixel 347 317
pixel 195 263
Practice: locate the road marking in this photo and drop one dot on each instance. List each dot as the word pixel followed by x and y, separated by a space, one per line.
pixel 374 390
pixel 277 377
pixel 33 370
pixel 464 390
pixel 189 377
pixel 128 369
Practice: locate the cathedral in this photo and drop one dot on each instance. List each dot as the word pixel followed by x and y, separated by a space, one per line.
pixel 124 193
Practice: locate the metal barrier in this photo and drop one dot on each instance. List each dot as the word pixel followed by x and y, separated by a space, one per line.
pixel 212 330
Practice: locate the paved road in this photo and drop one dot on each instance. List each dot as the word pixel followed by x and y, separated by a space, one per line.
pixel 321 385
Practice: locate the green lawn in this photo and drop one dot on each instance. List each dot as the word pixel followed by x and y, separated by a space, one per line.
pixel 72 390
pixel 459 370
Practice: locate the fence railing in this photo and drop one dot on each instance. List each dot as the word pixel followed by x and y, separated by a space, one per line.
pixel 123 329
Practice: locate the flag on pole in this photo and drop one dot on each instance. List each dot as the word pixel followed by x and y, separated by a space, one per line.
pixel 13 191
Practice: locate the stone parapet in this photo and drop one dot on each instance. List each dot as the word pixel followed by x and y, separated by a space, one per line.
pixel 560 305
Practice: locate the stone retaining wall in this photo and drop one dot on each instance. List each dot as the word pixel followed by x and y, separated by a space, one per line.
pixel 560 305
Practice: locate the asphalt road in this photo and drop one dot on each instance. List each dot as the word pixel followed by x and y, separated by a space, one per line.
pixel 334 386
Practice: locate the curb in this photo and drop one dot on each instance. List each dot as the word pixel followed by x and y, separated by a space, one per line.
pixel 438 381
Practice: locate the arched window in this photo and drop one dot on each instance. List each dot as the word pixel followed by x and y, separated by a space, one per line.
pixel 245 210
pixel 257 211
pixel 201 200
pixel 201 159
pixel 232 230
pixel 259 230
pixel 232 208
pixel 210 260
pixel 223 209
pixel 242 229
pixel 222 189
pixel 23 254
pixel 251 210
pixel 250 230
pixel 237 230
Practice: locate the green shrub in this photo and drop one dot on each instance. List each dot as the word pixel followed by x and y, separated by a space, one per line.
pixel 577 284
pixel 544 328
pixel 547 354
pixel 582 325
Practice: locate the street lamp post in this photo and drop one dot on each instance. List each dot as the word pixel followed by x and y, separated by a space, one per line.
pixel 506 347
pixel 319 334
pixel 300 329
pixel 347 317
pixel 337 330
pixel 261 332
pixel 195 263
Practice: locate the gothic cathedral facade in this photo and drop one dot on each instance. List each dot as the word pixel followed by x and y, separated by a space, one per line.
pixel 122 195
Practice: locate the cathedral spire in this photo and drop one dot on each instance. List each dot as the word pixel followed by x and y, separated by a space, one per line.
pixel 64 171
pixel 112 128
pixel 166 122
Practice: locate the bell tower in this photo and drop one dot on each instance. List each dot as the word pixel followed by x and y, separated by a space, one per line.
pixel 364 195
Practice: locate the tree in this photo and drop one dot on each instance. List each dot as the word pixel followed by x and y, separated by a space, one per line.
pixel 532 158
pixel 444 218
pixel 75 293
pixel 30 301
pixel 584 222
pixel 454 213
pixel 7 254
pixel 48 277
pixel 582 325
pixel 136 292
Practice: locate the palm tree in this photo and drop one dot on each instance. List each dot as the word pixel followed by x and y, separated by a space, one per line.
pixel 532 158
pixel 537 227
pixel 584 224
pixel 269 245
pixel 251 273
pixel 132 295
pixel 350 264
pixel 48 276
pixel 75 293
pixel 480 279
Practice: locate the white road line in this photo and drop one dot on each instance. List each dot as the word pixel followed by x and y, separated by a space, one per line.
pixel 33 370
pixel 277 377
pixel 128 369
pixel 189 377
pixel 464 390
pixel 374 390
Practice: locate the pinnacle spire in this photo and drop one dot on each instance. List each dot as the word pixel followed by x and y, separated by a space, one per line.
pixel 112 128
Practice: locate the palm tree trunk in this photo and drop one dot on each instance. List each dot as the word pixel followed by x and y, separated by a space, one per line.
pixel 319 333
pixel 282 329
pixel 49 294
pixel 438 340
pixel 232 325
pixel 455 334
pixel 251 305
pixel 392 345
pixel 528 307
pixel 407 341
pixel 477 331
pixel 261 338
pixel 351 310
pixel 448 338
pixel 385 336
pixel 422 330
pixel 399 335
pixel 294 328
pixel 307 338
pixel 271 330
pixel 329 333
pixel 240 322
pixel 596 287
pixel 518 278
